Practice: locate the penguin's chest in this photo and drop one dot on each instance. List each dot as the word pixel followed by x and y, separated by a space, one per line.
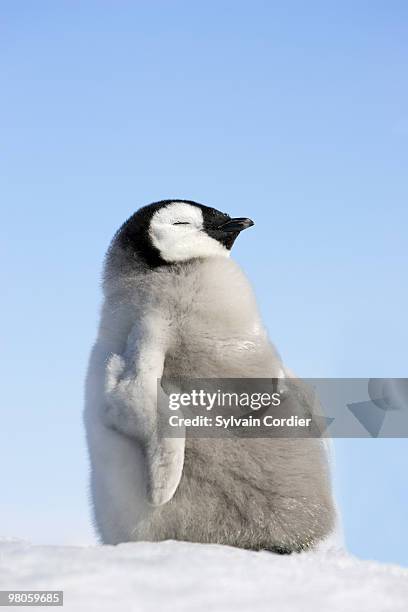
pixel 217 340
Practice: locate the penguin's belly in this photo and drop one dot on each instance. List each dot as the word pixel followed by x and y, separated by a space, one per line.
pixel 251 493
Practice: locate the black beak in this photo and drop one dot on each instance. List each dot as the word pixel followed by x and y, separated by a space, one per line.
pixel 236 225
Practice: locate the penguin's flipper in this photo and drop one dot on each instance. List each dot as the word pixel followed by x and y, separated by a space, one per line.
pixel 135 403
pixel 165 461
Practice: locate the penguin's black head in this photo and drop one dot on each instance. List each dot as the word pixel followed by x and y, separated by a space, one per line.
pixel 173 231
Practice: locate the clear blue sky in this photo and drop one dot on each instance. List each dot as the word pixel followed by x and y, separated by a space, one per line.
pixel 292 113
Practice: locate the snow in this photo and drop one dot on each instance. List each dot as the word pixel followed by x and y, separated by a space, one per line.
pixel 155 577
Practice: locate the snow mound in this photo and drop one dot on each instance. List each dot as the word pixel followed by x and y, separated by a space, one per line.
pixel 153 577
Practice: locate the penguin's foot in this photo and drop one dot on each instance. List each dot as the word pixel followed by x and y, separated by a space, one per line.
pixel 279 550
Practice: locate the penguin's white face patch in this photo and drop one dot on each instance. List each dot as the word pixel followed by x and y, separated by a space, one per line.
pixel 177 231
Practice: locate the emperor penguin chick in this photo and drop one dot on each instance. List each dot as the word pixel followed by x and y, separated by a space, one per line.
pixel 176 306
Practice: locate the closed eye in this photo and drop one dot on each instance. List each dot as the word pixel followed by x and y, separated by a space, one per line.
pixel 181 223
